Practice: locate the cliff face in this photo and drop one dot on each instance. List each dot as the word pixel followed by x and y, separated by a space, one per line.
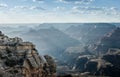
pixel 21 59
pixel 107 60
pixel 109 41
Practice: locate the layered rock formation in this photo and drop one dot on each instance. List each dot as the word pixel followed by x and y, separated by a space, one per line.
pixel 109 41
pixel 89 33
pixel 21 59
pixel 107 60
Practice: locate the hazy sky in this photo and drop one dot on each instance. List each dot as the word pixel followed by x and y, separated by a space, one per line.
pixel 39 11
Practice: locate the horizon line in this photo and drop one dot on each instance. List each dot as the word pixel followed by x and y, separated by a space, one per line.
pixel 57 22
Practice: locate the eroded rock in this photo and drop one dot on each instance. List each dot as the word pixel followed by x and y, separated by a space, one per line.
pixel 21 59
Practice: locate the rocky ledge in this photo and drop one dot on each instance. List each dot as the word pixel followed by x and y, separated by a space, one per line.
pixel 21 59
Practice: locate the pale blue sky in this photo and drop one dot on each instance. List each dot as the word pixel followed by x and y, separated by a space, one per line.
pixel 45 11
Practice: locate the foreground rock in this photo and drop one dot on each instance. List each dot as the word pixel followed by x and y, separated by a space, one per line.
pixel 108 65
pixel 21 59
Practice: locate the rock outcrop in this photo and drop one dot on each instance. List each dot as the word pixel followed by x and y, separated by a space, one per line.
pixel 107 60
pixel 21 59
pixel 106 65
pixel 80 63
